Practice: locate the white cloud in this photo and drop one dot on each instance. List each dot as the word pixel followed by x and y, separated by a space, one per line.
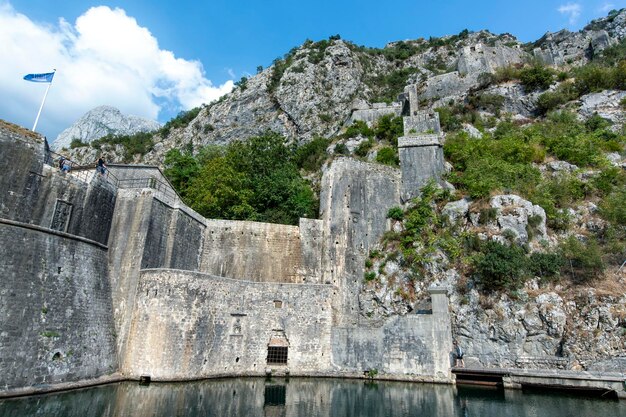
pixel 106 57
pixel 572 10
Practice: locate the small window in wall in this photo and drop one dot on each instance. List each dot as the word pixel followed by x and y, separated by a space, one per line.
pixel 277 355
pixel 278 304
pixel 61 216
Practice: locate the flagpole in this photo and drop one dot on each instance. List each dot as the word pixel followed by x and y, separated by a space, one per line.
pixel 43 101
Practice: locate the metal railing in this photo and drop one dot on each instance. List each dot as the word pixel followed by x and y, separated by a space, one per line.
pixel 86 173
pixel 165 190
pixel 83 173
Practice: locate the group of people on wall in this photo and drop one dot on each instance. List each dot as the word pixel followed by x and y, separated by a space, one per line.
pixel 65 165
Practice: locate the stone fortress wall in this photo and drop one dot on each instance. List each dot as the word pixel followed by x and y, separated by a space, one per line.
pixel 193 325
pixel 129 280
pixel 55 304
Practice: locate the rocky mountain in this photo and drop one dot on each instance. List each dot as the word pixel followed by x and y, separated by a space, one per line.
pixel 315 88
pixel 102 121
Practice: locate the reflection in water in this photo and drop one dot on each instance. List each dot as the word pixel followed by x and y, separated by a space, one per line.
pixel 302 398
pixel 275 400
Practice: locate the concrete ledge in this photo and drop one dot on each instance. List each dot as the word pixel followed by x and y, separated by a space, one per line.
pixel 419 140
pixel 557 378
pixel 295 374
pixel 52 232
pixel 61 386
pixel 115 378
pixel 551 379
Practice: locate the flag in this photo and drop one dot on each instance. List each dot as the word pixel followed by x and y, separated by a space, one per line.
pixel 40 78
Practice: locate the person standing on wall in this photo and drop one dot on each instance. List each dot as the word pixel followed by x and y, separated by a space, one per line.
pixel 458 355
pixel 65 164
pixel 101 166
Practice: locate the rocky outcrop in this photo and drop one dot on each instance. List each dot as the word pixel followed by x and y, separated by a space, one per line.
pixel 309 99
pixel 516 100
pixel 473 61
pixel 548 330
pixel 575 48
pixel 102 121
pixel 521 218
pixel 606 104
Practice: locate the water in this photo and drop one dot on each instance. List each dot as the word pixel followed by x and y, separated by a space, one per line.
pixel 303 398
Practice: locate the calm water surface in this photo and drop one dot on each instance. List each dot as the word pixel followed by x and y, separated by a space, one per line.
pixel 303 398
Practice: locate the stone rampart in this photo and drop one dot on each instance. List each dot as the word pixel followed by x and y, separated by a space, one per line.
pixel 190 325
pixel 55 308
pixel 415 345
pixel 354 201
pixel 421 160
pixel 35 193
pixel 421 122
pixel 261 252
pixel 132 277
pixel 481 58
pixel 370 116
pixel 148 232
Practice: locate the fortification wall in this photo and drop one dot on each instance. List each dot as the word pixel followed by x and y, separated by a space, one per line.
pixel 262 252
pixel 421 160
pixel 370 116
pixel 192 325
pixel 482 58
pixel 421 122
pixel 416 344
pixel 127 242
pixel 177 296
pixel 37 194
pixel 148 233
pixel 55 308
pixel 311 244
pixel 354 202
pixel 21 156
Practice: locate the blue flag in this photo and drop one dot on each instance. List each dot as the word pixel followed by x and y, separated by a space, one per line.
pixel 40 78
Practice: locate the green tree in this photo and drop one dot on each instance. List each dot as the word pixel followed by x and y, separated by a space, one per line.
pixel 500 267
pixel 312 155
pixel 180 168
pixel 389 128
pixel 387 156
pixel 257 179
pixel 536 78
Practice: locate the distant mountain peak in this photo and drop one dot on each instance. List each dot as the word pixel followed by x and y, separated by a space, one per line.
pixel 101 121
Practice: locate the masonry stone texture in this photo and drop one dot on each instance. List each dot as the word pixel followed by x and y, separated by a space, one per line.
pixel 103 277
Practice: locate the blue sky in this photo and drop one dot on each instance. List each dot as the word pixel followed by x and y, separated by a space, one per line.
pixel 198 48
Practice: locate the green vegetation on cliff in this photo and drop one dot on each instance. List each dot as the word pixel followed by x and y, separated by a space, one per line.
pixel 139 143
pixel 257 179
pixel 505 161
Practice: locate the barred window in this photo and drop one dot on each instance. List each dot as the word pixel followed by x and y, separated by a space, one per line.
pixel 277 355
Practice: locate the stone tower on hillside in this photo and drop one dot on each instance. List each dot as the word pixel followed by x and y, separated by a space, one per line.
pixel 420 149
